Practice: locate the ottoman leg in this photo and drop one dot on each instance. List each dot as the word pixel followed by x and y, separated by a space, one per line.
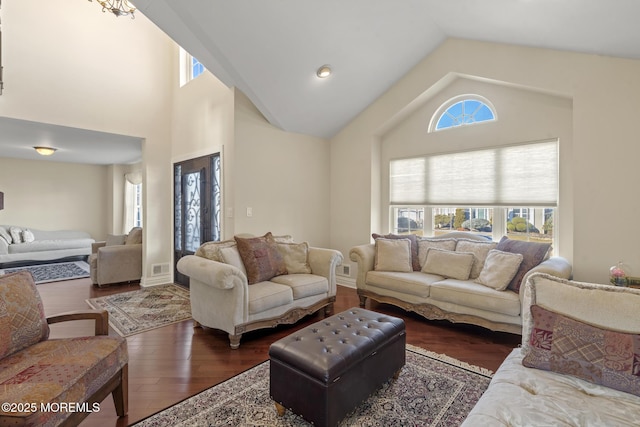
pixel 363 300
pixel 280 409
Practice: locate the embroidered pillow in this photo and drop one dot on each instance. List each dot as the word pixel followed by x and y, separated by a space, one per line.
pixel 449 264
pixel 415 261
pixel 533 253
pixel 22 319
pixel 499 269
pixel 393 255
pixel 261 258
pixel 425 243
pixel 295 257
pixel 567 346
pixel 211 250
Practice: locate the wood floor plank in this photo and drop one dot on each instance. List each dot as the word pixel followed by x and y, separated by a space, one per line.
pixel 172 363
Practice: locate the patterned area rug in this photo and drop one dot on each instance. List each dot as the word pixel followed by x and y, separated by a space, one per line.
pixel 432 390
pixel 134 312
pixel 45 273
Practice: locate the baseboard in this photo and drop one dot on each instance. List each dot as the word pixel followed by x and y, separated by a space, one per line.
pixel 347 282
pixel 156 280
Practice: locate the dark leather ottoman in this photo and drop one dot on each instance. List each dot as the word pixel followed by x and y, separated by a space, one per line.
pixel 324 371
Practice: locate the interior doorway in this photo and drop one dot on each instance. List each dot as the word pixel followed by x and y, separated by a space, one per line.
pixel 196 207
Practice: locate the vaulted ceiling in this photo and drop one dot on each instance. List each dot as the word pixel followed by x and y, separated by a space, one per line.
pixel 271 49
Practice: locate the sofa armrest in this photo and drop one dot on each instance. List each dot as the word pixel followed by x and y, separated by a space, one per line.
pixel 101 318
pixel 554 266
pixel 215 274
pixel 323 262
pixel 364 255
pixel 97 245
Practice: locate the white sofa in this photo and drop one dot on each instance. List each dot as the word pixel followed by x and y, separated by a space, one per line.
pixel 223 297
pixel 599 318
pixel 437 297
pixel 41 245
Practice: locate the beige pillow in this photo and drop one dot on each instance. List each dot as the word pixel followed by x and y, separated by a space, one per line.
pixel 499 269
pixel 393 255
pixel 230 255
pixel 295 257
pixel 425 243
pixel 479 249
pixel 211 250
pixel 449 264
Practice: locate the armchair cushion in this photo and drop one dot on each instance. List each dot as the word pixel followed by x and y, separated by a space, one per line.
pixel 22 319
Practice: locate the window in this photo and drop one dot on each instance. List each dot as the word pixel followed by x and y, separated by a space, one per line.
pixel 462 110
pixel 510 190
pixel 190 67
pixel 132 201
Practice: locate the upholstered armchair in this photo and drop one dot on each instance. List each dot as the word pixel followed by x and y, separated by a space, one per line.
pixel 37 373
pixel 118 259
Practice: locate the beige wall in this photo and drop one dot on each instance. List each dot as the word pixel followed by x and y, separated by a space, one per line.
pixel 597 178
pixel 281 176
pixel 54 196
pixel 72 65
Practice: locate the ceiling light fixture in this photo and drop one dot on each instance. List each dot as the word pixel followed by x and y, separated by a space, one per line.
pixel 117 7
pixel 45 151
pixel 323 72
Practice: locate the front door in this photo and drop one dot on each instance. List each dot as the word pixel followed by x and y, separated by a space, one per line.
pixel 196 207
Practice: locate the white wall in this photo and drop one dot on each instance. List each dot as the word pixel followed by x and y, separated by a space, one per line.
pixel 67 63
pixel 54 196
pixel 605 94
pixel 281 176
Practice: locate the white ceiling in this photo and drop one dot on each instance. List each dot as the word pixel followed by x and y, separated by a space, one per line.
pixel 271 49
pixel 18 137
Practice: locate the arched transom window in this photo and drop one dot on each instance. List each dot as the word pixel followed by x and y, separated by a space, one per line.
pixel 461 111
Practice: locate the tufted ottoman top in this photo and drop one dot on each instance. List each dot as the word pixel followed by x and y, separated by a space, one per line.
pixel 328 348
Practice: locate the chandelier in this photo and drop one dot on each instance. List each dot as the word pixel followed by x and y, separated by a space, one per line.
pixel 117 7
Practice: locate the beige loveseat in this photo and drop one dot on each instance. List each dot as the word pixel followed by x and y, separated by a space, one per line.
pixel 441 281
pixel 581 345
pixel 250 283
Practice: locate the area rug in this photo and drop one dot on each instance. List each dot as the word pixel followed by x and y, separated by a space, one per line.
pixel 432 390
pixel 134 312
pixel 45 273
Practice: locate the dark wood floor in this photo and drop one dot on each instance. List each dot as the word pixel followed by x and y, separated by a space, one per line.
pixel 172 363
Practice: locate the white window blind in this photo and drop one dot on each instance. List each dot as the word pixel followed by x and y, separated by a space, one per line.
pixel 517 175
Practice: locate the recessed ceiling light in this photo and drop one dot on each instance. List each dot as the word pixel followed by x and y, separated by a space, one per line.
pixel 45 151
pixel 323 72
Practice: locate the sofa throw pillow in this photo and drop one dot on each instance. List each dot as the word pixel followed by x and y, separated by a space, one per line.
pixel 449 264
pixel 27 236
pixel 16 234
pixel 295 257
pixel 392 255
pixel 567 346
pixel 4 235
pixel 230 255
pixel 415 261
pixel 479 249
pixel 211 250
pixel 261 258
pixel 425 243
pixel 499 269
pixel 533 253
